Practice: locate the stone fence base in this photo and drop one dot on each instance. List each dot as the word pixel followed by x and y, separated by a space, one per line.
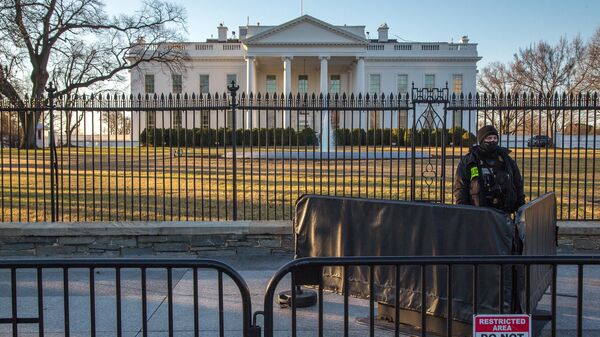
pixel 118 239
pixel 202 239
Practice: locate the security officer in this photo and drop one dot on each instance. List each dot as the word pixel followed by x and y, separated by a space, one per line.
pixel 487 176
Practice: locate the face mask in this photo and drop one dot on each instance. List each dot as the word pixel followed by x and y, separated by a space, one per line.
pixel 488 147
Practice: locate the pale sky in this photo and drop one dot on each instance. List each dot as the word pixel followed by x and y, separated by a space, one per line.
pixel 499 27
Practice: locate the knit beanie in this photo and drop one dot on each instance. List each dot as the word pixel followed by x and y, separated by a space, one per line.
pixel 486 131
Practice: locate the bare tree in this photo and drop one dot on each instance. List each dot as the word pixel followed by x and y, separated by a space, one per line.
pixel 77 44
pixel 541 70
pixel 495 81
pixel 116 123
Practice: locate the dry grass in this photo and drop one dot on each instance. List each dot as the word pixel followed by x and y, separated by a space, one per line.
pixel 152 184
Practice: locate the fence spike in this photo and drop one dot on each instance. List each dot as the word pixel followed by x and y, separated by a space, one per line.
pixel 352 97
pixel 391 96
pixel 470 97
pixel 595 97
pixel 360 96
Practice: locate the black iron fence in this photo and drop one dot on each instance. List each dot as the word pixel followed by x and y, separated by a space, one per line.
pixel 312 271
pixel 137 286
pixel 132 290
pixel 177 157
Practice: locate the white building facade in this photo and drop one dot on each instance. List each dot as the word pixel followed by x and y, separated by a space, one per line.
pixel 305 55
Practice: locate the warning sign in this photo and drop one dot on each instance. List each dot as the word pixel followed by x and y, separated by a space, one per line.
pixel 501 326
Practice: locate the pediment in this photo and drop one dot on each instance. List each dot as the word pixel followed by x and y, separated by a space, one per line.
pixel 305 30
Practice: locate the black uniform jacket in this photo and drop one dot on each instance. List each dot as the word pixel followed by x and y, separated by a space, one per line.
pixel 469 191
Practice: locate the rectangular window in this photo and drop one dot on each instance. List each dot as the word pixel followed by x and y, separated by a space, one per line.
pixel 229 119
pixel 375 83
pixel 374 120
pixel 335 84
pixel 205 119
pixel 150 119
pixel 429 81
pixel 271 84
pixel 403 120
pixel 303 84
pixel 177 83
pixel 402 84
pixel 457 118
pixel 457 84
pixel 177 120
pixel 204 84
pixel 149 84
pixel 230 78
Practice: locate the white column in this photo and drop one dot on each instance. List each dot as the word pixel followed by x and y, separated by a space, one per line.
pixel 250 75
pixel 324 74
pixel 287 87
pixel 360 87
pixel 327 139
pixel 360 75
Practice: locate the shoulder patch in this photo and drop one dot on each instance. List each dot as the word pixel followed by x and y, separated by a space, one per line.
pixel 474 172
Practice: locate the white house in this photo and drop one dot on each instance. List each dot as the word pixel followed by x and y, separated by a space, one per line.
pixel 305 55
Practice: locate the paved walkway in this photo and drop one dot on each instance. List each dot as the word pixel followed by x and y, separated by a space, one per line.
pixel 256 271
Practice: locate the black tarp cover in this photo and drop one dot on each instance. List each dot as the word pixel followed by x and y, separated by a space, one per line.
pixel 338 226
pixel 536 225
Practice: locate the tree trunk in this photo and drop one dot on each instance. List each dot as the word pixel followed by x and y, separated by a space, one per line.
pixel 29 122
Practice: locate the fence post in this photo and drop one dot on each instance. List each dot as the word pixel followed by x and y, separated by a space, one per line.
pixel 233 88
pixel 53 159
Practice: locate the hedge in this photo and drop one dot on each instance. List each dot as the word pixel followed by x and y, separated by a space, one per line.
pixel 203 137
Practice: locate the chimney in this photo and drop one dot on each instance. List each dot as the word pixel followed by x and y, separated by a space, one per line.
pixel 464 39
pixel 383 33
pixel 222 33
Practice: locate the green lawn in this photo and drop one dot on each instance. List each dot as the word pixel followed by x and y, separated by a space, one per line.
pixel 152 184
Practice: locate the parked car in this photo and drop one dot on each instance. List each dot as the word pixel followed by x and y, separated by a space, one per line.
pixel 539 141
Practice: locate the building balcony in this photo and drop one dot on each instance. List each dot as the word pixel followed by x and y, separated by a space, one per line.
pixel 421 49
